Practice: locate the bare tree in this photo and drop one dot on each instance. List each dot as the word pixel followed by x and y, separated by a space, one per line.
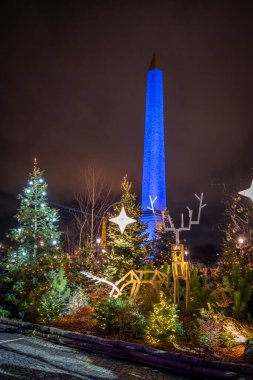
pixel 91 205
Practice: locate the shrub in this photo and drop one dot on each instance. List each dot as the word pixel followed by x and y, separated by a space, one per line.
pixel 53 301
pixel 121 316
pixel 233 333
pixel 240 289
pixel 97 294
pixel 213 330
pixel 209 328
pixel 4 313
pixel 199 290
pixel 219 298
pixel 77 300
pixel 249 349
pixel 163 324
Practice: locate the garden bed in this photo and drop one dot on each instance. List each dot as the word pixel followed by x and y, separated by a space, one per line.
pixel 236 354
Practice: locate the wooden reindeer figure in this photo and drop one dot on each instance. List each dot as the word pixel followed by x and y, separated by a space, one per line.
pixel 180 271
pixel 180 267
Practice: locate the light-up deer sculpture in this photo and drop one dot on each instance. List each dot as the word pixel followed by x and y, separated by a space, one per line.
pixel 180 267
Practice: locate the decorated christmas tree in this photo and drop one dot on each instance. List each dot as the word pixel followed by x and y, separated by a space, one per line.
pixel 38 222
pixel 238 241
pixel 35 258
pixel 163 324
pixel 127 249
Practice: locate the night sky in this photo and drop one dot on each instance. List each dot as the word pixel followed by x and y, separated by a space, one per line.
pixel 73 82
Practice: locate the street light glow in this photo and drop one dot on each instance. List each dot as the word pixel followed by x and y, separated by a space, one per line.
pixel 240 240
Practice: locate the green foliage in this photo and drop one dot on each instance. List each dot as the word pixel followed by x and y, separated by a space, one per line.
pixel 240 290
pixel 227 339
pixel 161 247
pixel 209 328
pixel 4 313
pixel 53 301
pixel 238 223
pixel 214 330
pixel 219 298
pixel 38 231
pixel 35 252
pixel 120 316
pixel 249 349
pixel 168 286
pixel 24 285
pixel 163 324
pixel 77 300
pixel 199 290
pixel 127 249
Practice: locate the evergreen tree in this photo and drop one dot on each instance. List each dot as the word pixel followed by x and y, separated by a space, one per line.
pixel 240 290
pixel 160 253
pixel 199 290
pixel 163 324
pixel 127 249
pixel 35 251
pixel 38 223
pixel 53 302
pixel 238 242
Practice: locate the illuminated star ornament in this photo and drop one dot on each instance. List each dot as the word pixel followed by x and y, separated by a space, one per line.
pixel 248 192
pixel 122 220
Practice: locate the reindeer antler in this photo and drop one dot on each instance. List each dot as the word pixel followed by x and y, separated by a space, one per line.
pixel 99 279
pixel 183 228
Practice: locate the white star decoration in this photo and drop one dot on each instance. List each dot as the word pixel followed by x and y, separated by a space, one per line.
pixel 122 220
pixel 248 192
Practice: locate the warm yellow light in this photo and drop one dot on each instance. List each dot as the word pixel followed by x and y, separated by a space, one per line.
pixel 241 240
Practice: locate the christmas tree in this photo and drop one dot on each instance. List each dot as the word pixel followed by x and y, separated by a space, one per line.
pixel 163 324
pixel 38 222
pixel 128 248
pixel 238 241
pixel 35 258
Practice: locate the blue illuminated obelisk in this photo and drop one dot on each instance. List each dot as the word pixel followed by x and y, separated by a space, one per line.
pixel 153 178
